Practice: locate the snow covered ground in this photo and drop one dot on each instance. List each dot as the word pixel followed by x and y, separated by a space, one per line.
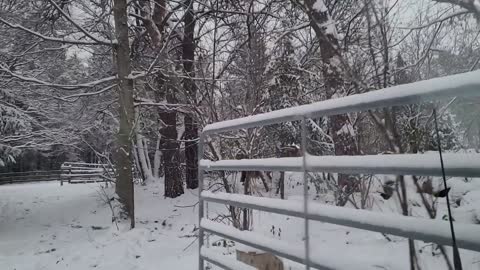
pixel 48 226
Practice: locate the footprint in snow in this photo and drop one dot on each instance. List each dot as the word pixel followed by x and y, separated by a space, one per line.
pixel 46 251
pixel 95 228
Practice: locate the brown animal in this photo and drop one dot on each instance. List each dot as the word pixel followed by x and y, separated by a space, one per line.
pixel 260 260
pixel 290 151
pixel 266 177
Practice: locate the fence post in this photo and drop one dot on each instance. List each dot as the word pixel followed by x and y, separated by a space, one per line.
pixel 305 191
pixel 200 203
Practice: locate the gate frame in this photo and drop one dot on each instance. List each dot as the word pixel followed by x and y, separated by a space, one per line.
pixel 465 84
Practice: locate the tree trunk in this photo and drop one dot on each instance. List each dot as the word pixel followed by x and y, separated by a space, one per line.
pixel 124 184
pixel 246 191
pixel 340 127
pixel 142 156
pixel 170 152
pixel 157 159
pixel 281 175
pixel 168 133
pixel 147 156
pixel 137 162
pixel 191 158
pixel 281 184
pixel 191 127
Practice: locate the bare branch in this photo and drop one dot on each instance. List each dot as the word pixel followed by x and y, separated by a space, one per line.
pixel 439 20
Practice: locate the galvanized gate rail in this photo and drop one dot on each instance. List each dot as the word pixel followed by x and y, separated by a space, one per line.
pixel 464 165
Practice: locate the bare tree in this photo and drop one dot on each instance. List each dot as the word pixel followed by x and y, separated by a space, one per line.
pixel 191 126
pixel 123 155
pixel 334 71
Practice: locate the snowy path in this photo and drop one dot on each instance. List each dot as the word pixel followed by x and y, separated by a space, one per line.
pixel 45 226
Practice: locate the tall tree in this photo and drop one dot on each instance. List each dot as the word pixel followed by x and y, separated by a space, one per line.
pixel 154 20
pixel 333 71
pixel 169 141
pixel 124 184
pixel 191 126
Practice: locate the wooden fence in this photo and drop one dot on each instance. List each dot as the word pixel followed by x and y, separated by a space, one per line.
pixel 71 172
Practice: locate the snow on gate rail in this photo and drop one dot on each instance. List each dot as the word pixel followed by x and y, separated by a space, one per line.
pixel 465 165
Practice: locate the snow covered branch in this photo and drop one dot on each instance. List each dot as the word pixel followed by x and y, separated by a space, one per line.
pixel 39 82
pixel 103 90
pixel 83 30
pixel 470 5
pixel 53 39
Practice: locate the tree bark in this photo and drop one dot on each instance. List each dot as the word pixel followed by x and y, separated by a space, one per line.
pixel 124 184
pixel 191 126
pixel 170 149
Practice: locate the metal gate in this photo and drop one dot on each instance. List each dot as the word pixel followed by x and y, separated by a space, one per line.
pixel 461 165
